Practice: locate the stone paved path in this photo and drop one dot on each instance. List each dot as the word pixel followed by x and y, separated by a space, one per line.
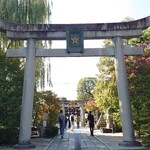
pixel 79 139
pixel 76 140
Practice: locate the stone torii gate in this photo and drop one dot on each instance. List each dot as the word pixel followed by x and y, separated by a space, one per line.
pixel 80 104
pixel 114 31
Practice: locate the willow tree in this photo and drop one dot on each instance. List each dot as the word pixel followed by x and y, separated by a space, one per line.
pixel 24 12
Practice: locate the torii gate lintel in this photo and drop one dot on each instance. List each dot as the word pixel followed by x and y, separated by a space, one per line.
pixel 88 52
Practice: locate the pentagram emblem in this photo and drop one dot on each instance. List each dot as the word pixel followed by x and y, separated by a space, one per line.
pixel 74 37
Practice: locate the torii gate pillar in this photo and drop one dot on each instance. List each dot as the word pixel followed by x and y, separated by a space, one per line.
pixel 123 94
pixel 27 100
pixel 82 114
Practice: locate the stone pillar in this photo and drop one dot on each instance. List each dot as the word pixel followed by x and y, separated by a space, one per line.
pixel 27 102
pixel 123 94
pixel 82 114
pixel 45 116
pixel 109 118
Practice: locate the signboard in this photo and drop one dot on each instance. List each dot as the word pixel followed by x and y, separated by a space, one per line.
pixel 74 38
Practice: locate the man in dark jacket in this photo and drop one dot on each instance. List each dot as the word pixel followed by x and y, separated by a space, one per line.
pixel 61 120
pixel 91 122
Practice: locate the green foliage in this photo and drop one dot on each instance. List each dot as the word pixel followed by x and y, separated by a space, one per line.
pixel 127 19
pixel 25 11
pixel 85 88
pixel 138 69
pixel 8 136
pixel 140 95
pixel 105 90
pixel 11 82
pixel 143 41
pixel 11 70
pixel 51 132
pixel 146 141
pixel 46 102
pixel 42 73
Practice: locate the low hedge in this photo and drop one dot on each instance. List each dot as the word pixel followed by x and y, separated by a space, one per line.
pixel 8 136
pixel 146 141
pixel 51 132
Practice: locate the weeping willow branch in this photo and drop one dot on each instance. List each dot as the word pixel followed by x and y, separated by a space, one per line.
pixel 27 11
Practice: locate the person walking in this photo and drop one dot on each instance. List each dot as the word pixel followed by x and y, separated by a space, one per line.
pixel 72 121
pixel 61 120
pixel 67 122
pixel 78 120
pixel 91 123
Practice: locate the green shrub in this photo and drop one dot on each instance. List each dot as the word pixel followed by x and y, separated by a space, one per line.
pixel 8 136
pixel 146 141
pixel 51 132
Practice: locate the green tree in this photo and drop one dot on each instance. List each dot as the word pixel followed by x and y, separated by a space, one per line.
pixel 138 69
pixel 48 103
pixel 28 11
pixel 18 11
pixel 11 82
pixel 85 88
pixel 105 92
pixel 25 11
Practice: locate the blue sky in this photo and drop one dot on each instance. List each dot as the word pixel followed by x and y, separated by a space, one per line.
pixel 141 8
pixel 66 72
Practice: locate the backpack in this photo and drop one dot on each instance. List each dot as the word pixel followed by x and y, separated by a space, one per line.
pixel 72 118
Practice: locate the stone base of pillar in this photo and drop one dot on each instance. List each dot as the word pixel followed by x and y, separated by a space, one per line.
pixel 130 144
pixel 24 146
